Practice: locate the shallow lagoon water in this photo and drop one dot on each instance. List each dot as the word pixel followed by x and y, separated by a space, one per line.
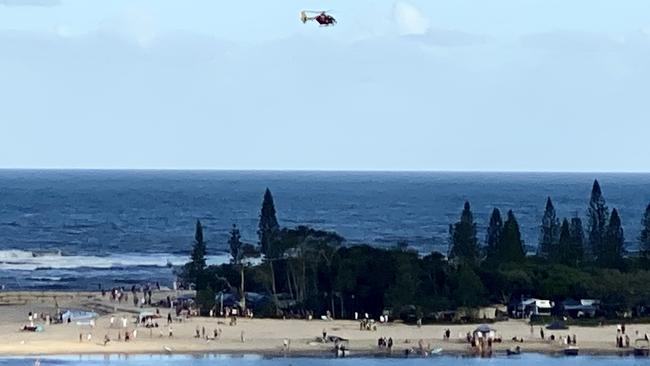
pixel 252 360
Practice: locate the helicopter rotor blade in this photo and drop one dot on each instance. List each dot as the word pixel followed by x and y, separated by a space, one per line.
pixel 317 11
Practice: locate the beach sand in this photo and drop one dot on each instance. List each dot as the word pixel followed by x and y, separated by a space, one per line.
pixel 261 336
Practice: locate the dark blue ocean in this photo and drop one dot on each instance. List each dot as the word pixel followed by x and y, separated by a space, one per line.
pixel 76 229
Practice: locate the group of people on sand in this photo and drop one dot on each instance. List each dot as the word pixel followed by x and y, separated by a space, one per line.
pixel 201 333
pixel 123 321
pixel 622 339
pixel 120 294
pixel 384 343
pixel 46 318
pixel 367 324
pixel 568 340
pixel 232 312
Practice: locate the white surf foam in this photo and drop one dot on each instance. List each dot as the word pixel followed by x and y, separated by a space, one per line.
pixel 15 259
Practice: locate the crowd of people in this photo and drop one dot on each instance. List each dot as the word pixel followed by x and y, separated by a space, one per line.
pixel 141 295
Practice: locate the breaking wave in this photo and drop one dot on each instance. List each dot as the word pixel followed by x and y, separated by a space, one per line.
pixel 22 260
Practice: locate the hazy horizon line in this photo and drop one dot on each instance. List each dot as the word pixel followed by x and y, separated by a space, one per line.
pixel 194 169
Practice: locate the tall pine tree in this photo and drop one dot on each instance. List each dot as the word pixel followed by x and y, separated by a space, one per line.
pixel 197 259
pixel 597 218
pixel 267 232
pixel 235 245
pixel 464 244
pixel 494 232
pixel 561 253
pixel 268 226
pixel 613 250
pixel 237 254
pixel 644 237
pixel 511 247
pixel 550 231
pixel 577 234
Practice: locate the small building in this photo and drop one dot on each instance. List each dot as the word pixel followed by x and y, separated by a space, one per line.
pixel 233 300
pixel 580 309
pixel 527 307
pixel 491 312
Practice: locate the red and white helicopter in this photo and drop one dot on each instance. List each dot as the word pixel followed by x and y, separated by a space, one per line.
pixel 324 19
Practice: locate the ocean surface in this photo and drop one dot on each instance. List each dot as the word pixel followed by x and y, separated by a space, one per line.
pixel 200 360
pixel 77 229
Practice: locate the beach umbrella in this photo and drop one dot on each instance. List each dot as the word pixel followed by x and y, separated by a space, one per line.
pixel 484 328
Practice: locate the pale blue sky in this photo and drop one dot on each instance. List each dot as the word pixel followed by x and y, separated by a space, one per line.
pixel 397 85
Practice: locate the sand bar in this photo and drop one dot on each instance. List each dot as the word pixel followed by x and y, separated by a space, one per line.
pixel 261 336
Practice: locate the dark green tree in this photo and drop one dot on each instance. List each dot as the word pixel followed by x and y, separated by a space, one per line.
pixel 267 232
pixel 577 234
pixel 549 234
pixel 597 215
pixel 268 226
pixel 561 253
pixel 467 288
pixel 511 247
pixel 644 237
pixel 494 232
pixel 235 244
pixel 237 258
pixel 464 244
pixel 613 250
pixel 197 259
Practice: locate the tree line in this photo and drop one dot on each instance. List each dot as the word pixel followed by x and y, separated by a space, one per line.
pixel 560 241
pixel 303 269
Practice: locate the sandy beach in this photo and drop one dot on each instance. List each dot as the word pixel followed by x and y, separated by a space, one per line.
pixel 261 336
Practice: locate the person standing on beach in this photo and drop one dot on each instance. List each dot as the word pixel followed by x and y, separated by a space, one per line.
pixel 169 318
pixel 242 337
pixel 171 332
pixel 541 333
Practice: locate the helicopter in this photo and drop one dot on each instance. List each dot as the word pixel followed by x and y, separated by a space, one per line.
pixel 324 19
